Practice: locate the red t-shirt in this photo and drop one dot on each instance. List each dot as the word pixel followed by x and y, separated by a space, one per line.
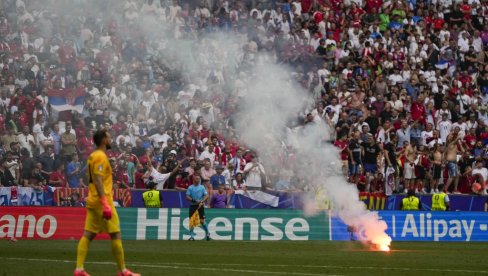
pixel 138 181
pixel 86 145
pixel 343 146
pixel 24 119
pixel 418 112
pixel 470 140
pixel 118 128
pixel 66 53
pixel 143 160
pixel 466 9
pixel 57 176
pixel 180 183
pixel 438 23
pixel 306 5
pixel 373 4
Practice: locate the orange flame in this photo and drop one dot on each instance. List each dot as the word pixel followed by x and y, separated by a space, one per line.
pixel 384 248
pixel 383 243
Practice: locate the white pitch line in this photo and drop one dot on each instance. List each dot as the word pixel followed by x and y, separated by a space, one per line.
pixel 178 266
pixel 347 267
pixel 171 267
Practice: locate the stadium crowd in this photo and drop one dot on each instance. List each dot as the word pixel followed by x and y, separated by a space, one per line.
pixel 402 84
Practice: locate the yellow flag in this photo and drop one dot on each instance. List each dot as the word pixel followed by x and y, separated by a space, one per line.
pixel 195 219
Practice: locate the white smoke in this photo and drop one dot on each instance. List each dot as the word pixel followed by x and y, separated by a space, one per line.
pixel 270 101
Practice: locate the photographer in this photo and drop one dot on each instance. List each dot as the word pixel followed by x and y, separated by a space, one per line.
pixel 72 201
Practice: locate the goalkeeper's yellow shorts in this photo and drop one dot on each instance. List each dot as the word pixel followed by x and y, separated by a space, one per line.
pixel 95 222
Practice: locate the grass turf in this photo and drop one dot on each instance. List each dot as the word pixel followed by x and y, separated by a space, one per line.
pixel 28 257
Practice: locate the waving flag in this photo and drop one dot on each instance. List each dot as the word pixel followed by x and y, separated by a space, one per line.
pixel 194 219
pixel 67 99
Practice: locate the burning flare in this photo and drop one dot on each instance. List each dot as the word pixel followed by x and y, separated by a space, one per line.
pixel 382 243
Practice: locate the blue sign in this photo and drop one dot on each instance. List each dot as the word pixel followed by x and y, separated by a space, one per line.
pixel 423 226
pixel 458 202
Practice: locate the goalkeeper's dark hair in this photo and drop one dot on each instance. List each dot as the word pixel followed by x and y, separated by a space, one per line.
pixel 98 136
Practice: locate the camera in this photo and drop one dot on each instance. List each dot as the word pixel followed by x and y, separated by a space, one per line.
pixel 66 201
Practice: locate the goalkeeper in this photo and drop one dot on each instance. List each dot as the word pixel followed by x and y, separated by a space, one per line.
pixel 101 216
pixel 197 195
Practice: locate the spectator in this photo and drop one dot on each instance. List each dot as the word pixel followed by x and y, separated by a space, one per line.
pixel 74 172
pixel 219 198
pixel 58 178
pixel 255 175
pixel 47 162
pixel 68 142
pixel 217 179
pixel 239 183
pixel 206 172
pixel 6 177
pixel 26 139
pixel 371 153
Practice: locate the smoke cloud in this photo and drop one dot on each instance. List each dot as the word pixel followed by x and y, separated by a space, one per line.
pixel 270 102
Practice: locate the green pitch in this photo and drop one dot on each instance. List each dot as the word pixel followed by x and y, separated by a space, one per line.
pixel 247 258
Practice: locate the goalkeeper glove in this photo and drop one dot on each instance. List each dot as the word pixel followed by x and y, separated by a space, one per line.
pixel 107 210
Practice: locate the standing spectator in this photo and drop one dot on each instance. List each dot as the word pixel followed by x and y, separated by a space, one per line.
pixel 371 152
pixel 85 144
pixel 342 145
pixel 217 179
pixel 451 161
pixel 481 173
pixel 26 139
pixel 206 172
pixel 57 178
pixel 219 198
pixel 354 157
pixel 45 140
pixel 403 133
pixel 209 154
pixel 47 162
pixel 239 183
pixel 9 138
pixel 437 168
pixel 56 138
pixel 74 172
pixel 254 172
pixel 239 162
pixel 68 142
pixel 410 156
pixel 6 177
pixel 444 127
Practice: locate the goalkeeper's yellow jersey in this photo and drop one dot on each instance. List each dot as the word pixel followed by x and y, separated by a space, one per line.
pixel 98 165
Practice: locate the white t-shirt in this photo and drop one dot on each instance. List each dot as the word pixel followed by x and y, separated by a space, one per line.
pixel 483 172
pixel 208 155
pixel 25 141
pixel 159 178
pixel 158 138
pixel 253 177
pixel 425 135
pixel 444 129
